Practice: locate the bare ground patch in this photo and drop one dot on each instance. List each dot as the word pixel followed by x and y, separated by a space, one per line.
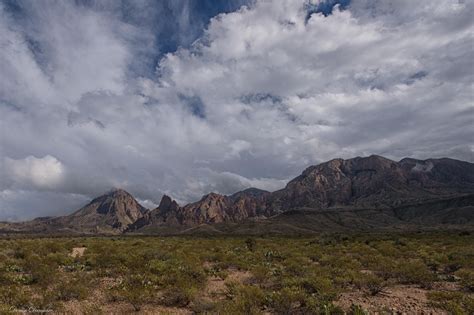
pixel 94 307
pixel 98 303
pixel 405 299
pixel 78 252
pixel 216 286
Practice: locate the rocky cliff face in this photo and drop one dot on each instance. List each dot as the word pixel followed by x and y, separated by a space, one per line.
pixel 374 182
pixel 212 208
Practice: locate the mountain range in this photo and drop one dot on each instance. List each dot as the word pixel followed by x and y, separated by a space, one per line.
pixel 362 193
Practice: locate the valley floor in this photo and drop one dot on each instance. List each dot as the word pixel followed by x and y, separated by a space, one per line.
pixel 416 273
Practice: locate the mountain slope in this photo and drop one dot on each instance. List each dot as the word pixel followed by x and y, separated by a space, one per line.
pixel 374 182
pixel 359 193
pixel 110 213
pixel 114 211
pixel 354 194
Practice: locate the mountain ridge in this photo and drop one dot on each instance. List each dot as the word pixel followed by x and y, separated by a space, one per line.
pixel 374 184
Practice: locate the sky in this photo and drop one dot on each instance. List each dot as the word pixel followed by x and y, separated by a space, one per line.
pixel 186 97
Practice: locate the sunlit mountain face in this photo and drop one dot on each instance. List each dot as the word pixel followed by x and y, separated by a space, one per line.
pixel 185 98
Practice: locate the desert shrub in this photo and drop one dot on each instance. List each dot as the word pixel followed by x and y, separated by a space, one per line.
pixel 42 271
pixel 287 299
pixel 452 267
pixel 316 286
pixel 91 309
pixel 76 267
pixel 416 272
pixel 203 306
pixel 384 267
pixel 72 289
pixel 387 249
pixel 458 260
pixel 261 273
pixel 4 279
pixel 48 247
pixel 453 302
pixel 134 289
pixel 294 267
pixel 14 296
pixel 57 259
pixel 177 296
pixel 326 308
pixel 215 270
pixel 244 299
pixel 19 253
pixel 315 255
pixel 356 310
pixel 102 257
pixel 250 243
pixel 23 278
pixel 467 278
pixel 371 283
pixel 45 301
pixel 399 242
pixel 273 255
pixel 172 273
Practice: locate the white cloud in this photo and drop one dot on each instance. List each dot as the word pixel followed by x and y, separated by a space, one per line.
pixel 41 173
pixel 264 93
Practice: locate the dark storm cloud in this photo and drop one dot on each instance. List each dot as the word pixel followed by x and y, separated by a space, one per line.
pixel 166 97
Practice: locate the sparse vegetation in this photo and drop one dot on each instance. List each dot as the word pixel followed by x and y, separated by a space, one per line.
pixel 280 275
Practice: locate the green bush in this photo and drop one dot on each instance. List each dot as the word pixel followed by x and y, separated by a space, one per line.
pixel 244 299
pixel 250 243
pixel 416 272
pixel 288 299
pixel 371 283
pixel 467 279
pixel 177 296
pixel 453 302
pixel 14 296
pixel 357 310
pixel 72 289
pixel 134 289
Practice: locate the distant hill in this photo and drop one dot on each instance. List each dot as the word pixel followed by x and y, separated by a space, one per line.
pixel 363 193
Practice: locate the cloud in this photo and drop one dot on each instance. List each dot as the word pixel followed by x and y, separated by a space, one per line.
pixel 266 90
pixel 40 173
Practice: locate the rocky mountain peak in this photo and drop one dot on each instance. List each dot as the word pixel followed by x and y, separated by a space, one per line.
pixel 114 210
pixel 167 204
